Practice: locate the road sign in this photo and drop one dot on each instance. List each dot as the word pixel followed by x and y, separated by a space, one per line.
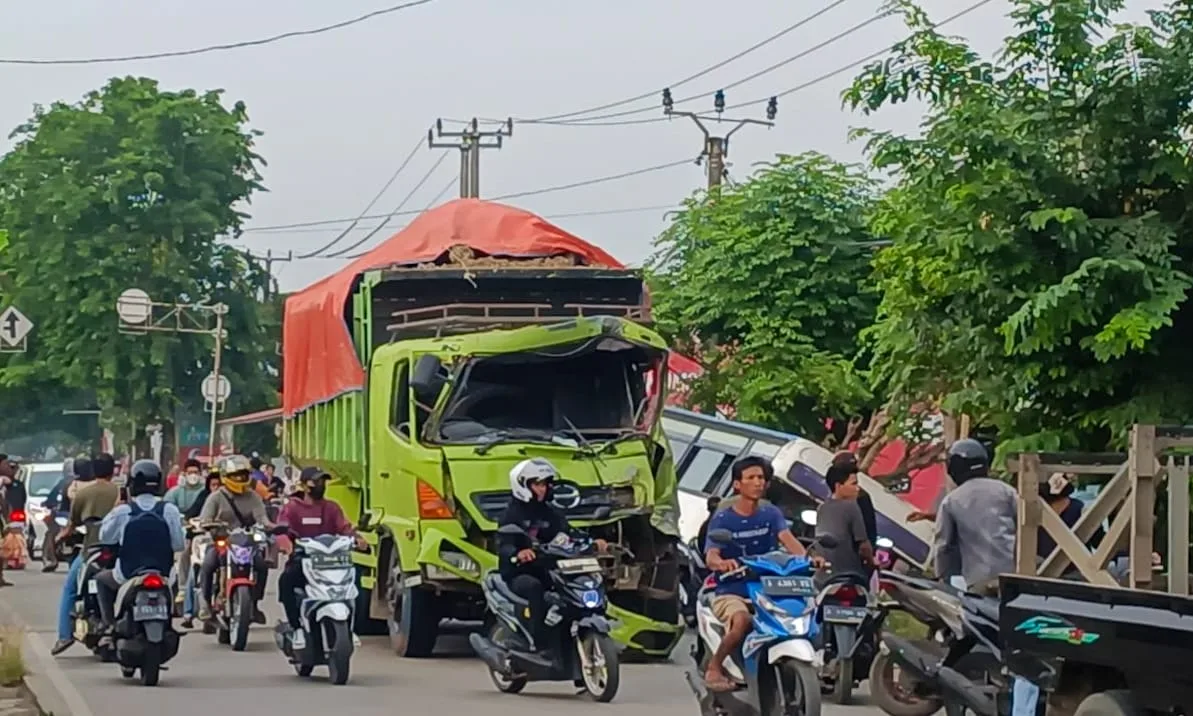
pixel 213 392
pixel 134 306
pixel 14 328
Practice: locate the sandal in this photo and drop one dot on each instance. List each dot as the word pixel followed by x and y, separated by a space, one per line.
pixel 720 684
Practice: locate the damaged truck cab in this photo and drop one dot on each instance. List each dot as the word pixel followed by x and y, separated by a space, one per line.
pixel 467 372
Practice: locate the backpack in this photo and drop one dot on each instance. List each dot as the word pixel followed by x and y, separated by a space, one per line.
pixel 146 542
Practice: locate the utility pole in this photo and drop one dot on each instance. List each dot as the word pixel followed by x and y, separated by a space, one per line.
pixel 470 141
pixel 268 260
pixel 716 148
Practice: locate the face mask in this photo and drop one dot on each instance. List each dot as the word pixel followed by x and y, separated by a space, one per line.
pixel 316 492
pixel 192 479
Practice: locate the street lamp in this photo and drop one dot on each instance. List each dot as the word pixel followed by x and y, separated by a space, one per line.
pixel 136 311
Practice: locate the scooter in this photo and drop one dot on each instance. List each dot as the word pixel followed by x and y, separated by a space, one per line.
pixel 777 668
pixel 965 671
pixel 326 608
pixel 145 634
pixel 86 616
pixel 233 605
pixel 578 628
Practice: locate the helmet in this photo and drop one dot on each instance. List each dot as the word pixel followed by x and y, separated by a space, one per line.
pixel 235 473
pixel 145 478
pixel 535 469
pixel 967 458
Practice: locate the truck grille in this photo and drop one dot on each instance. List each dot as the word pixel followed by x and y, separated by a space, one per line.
pixel 578 503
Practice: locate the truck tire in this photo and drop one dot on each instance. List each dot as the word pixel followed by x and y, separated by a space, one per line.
pixel 414 618
pixel 1118 702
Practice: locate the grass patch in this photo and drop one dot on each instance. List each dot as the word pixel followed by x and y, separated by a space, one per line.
pixel 903 624
pixel 12 661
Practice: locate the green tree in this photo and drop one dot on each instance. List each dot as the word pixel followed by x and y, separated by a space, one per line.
pixel 132 187
pixel 765 282
pixel 1040 266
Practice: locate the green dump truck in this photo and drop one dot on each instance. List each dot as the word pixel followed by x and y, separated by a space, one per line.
pixel 467 371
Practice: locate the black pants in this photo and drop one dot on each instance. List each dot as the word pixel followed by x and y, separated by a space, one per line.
pixel 106 588
pixel 289 582
pixel 531 588
pixel 212 560
pixel 49 554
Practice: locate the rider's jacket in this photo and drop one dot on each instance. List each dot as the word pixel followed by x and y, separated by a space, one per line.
pixel 540 520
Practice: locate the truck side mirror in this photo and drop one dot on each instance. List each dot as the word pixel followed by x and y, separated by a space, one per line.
pixel 427 379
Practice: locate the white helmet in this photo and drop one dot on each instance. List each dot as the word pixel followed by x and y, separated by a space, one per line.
pixel 536 469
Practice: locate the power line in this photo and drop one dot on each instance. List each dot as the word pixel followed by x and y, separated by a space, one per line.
pixel 406 200
pixel 532 192
pixel 401 167
pixel 584 122
pixel 562 215
pixel 220 48
pixel 690 78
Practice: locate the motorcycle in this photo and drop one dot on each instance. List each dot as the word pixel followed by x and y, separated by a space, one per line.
pixel 692 573
pixel 959 669
pixel 776 669
pixel 851 621
pixel 86 616
pixel 326 608
pixel 577 626
pixel 233 605
pixel 145 634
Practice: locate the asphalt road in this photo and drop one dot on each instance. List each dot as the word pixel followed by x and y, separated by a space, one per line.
pixel 206 678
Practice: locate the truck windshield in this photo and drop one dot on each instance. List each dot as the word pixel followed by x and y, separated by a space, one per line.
pixel 586 392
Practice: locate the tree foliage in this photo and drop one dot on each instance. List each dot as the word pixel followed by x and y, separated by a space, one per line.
pixel 1040 266
pixel 766 282
pixel 132 187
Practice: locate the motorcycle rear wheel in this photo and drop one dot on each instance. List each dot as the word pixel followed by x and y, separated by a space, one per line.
pixel 894 698
pixel 843 686
pixel 151 665
pixel 498 633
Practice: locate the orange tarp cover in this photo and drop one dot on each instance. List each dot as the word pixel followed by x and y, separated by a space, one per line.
pixel 318 357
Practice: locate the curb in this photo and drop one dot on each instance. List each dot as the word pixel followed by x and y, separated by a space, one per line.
pixel 46 681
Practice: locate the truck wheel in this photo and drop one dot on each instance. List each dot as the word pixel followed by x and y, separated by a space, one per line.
pixel 1118 702
pixel 414 619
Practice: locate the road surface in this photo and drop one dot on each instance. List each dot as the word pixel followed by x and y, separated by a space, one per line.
pixel 206 678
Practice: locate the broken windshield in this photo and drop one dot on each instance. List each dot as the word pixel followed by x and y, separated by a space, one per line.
pixel 573 396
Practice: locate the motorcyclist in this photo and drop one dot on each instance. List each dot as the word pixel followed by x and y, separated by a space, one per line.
pixel 757 528
pixel 308 515
pixel 148 531
pixel 702 534
pixel 189 487
pixel 56 502
pixel 531 509
pixel 211 486
pixel 841 516
pixel 975 536
pixel 235 504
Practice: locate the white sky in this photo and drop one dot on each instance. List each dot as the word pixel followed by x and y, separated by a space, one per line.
pixel 341 110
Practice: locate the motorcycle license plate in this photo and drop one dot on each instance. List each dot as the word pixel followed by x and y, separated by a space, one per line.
pixel 146 612
pixel 92 586
pixel 788 586
pixel 844 615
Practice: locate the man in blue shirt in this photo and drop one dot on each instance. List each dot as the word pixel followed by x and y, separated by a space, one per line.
pixel 756 529
pixel 159 534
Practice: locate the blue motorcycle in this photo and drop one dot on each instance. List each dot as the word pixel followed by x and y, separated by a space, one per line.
pixel 777 666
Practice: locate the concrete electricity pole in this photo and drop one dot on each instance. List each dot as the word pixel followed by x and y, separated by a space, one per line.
pixel 268 260
pixel 470 141
pixel 716 148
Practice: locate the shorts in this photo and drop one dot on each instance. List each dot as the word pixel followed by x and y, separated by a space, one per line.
pixel 724 606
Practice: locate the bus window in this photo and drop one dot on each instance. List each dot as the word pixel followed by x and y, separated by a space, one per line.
pixel 704 469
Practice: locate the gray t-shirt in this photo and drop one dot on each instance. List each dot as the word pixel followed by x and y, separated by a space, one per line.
pixel 843 520
pixel 975 531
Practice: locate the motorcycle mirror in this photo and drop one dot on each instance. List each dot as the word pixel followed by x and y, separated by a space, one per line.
pixel 884 542
pixel 720 536
pixel 510 530
pixel 808 517
pixel 827 540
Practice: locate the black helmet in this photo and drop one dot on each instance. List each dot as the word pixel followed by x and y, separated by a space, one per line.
pixel 145 478
pixel 967 458
pixel 83 472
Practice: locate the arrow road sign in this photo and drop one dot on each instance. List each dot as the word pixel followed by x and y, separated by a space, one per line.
pixel 14 327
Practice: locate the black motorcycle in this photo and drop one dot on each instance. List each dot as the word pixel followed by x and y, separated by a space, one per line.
pixel 959 667
pixel 850 619
pixel 86 616
pixel 145 634
pixel 578 629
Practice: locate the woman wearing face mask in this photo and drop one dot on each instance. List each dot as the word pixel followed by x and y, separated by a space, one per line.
pixel 212 486
pixel 189 487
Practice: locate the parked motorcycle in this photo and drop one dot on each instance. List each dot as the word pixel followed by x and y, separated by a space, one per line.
pixel 326 608
pixel 692 573
pixel 960 667
pixel 145 634
pixel 851 620
pixel 576 623
pixel 775 669
pixel 233 605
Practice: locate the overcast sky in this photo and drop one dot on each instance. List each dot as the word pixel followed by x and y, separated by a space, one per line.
pixel 341 110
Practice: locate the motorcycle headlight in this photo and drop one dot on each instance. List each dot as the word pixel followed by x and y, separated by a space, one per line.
pixel 794 624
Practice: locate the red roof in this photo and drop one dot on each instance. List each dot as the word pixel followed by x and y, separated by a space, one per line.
pixel 318 356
